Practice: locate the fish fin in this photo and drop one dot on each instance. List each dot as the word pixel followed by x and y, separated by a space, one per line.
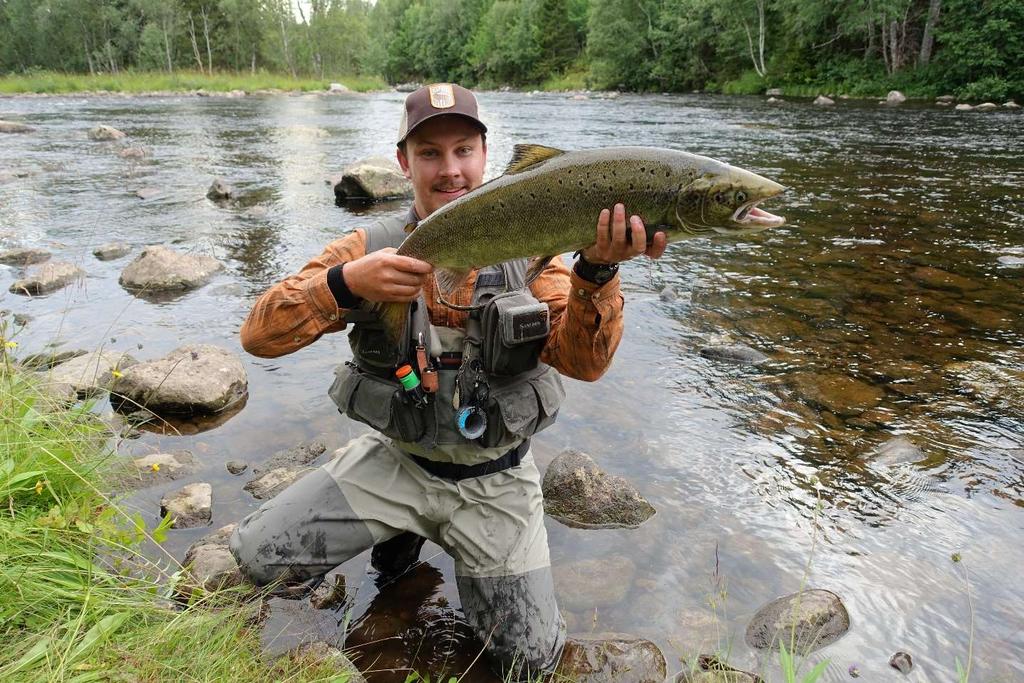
pixel 394 316
pixel 409 227
pixel 525 156
pixel 535 268
pixel 449 279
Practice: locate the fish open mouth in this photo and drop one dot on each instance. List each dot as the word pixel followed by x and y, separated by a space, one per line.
pixel 754 217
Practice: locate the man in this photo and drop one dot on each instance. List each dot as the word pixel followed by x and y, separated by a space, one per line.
pixel 451 463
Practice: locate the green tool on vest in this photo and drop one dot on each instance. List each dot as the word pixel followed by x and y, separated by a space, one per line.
pixel 411 384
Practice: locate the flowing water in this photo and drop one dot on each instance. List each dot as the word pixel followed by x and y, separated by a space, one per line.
pixel 891 306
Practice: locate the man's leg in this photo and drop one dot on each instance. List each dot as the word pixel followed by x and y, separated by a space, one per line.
pixel 503 571
pixel 311 527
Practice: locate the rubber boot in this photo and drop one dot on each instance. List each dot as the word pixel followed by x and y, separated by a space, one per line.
pixel 395 556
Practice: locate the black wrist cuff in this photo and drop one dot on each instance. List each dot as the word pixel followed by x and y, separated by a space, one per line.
pixel 597 273
pixel 342 294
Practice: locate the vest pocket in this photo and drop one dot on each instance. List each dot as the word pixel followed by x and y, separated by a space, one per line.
pixel 377 402
pixel 521 408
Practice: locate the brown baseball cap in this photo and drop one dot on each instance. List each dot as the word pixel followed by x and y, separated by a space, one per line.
pixel 437 99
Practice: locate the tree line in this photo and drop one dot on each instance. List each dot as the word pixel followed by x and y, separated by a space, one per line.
pixel 972 48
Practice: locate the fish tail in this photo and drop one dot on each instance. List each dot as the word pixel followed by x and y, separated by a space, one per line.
pixel 395 318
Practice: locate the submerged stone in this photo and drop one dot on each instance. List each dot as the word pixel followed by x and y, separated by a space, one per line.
pixel 587 584
pixel 807 620
pixel 15 127
pixel 611 658
pixel 111 251
pixel 47 278
pixel 219 190
pixel 711 669
pixel 23 256
pixel 734 353
pixel 290 624
pixel 578 493
pixel 103 133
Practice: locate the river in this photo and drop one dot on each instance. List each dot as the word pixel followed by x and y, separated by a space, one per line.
pixel 902 256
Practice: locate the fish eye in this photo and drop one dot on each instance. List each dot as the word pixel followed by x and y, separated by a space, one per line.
pixel 741 196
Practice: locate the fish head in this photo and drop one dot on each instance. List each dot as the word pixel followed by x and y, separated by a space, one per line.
pixel 726 202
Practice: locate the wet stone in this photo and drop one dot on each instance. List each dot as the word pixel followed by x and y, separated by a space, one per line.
pixel 374 178
pixel 23 256
pixel 237 466
pixel 103 133
pixel 111 251
pixel 300 454
pixel 331 594
pixel 711 669
pixel 897 451
pixel 276 480
pixel 902 662
pixel 91 373
pixel 668 294
pixel 219 190
pixel 734 353
pixel 15 127
pixel 578 493
pixel 191 380
pixel 160 268
pixel 42 361
pixel 320 652
pixel 290 624
pixel 160 467
pixel 21 319
pixel 611 658
pixel 812 618
pixel 147 192
pixel 840 394
pixel 190 506
pixel 47 277
pixel 210 564
pixel 823 101
pixel 587 584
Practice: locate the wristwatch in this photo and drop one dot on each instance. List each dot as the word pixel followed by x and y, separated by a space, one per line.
pixel 598 273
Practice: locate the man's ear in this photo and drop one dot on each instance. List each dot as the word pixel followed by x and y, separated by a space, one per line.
pixel 403 161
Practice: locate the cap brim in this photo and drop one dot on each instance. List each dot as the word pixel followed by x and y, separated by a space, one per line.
pixel 479 124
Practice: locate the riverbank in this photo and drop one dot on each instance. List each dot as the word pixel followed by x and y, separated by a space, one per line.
pixel 64 609
pixel 148 82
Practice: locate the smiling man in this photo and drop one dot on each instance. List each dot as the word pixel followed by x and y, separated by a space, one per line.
pixel 452 408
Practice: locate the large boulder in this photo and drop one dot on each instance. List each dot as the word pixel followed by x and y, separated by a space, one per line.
pixel 91 373
pixel 587 584
pixel 578 493
pixel 14 127
pixel 160 268
pixel 805 621
pixel 374 178
pixel 48 277
pixel 611 658
pixel 197 379
pixel 23 256
pixel 895 97
pixel 104 133
pixel 190 506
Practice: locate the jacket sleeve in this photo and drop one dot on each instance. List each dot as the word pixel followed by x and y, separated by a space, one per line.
pixel 301 308
pixel 586 321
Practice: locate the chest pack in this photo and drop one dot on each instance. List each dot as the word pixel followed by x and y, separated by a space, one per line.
pixel 491 388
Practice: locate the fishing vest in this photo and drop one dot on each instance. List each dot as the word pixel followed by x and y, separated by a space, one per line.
pixel 500 369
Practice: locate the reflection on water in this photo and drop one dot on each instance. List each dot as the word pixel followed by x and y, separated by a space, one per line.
pixel 890 309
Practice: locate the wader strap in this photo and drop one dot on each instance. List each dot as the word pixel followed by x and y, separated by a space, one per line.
pixel 456 472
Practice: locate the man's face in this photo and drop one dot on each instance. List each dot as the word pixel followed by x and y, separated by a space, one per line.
pixel 444 158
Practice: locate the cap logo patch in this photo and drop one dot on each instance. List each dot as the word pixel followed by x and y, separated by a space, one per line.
pixel 442 96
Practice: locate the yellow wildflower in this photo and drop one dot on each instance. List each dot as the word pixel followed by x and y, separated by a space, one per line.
pixel 10 344
pixel 117 374
pixel 39 487
pixel 155 467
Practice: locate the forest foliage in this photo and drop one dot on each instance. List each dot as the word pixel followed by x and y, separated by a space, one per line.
pixel 970 48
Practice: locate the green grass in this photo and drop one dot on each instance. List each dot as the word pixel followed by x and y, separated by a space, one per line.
pixel 77 601
pixel 151 81
pixel 573 79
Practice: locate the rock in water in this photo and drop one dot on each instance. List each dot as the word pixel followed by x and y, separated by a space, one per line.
pixel 190 506
pixel 587 584
pixel 809 620
pixel 823 101
pixel 160 268
pixel 103 133
pixel 210 564
pixel 711 669
pixel 611 658
pixel 902 662
pixel 291 624
pixel 578 493
pixel 374 178
pixel 191 380
pixel 734 353
pixel 897 451
pixel 895 97
pixel 111 251
pixel 275 481
pixel 237 466
pixel 14 127
pixel 160 467
pixel 219 190
pixel 47 278
pixel 23 257
pixel 91 373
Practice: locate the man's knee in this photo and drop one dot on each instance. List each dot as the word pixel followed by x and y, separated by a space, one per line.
pixel 254 554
